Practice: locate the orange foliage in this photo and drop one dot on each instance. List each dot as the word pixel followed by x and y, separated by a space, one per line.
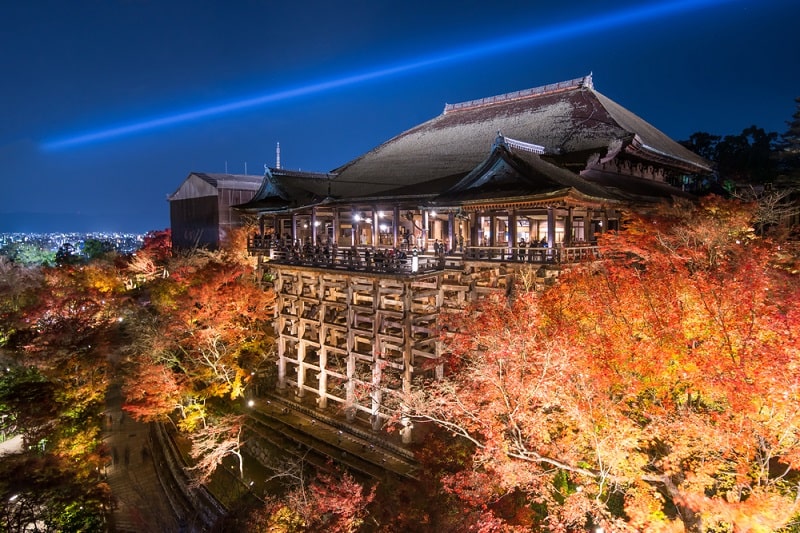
pixel 656 390
pixel 333 502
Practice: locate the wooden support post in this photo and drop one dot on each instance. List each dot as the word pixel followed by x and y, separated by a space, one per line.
pixel 313 226
pixel 322 401
pixel 376 230
pixel 568 226
pixel 451 236
pixel 551 227
pixel 395 226
pixel 301 368
pixel 512 233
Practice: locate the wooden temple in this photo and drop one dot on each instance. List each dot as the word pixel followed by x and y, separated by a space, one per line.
pixel 364 258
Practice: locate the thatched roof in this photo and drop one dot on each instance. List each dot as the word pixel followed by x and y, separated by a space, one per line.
pixel 569 122
pixel 567 118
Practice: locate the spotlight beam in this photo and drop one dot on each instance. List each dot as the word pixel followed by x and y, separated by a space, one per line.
pixel 526 40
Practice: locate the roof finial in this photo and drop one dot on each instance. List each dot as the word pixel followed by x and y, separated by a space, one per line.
pixel 278 156
pixel 499 140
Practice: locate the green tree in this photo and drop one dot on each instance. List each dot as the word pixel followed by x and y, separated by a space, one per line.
pixel 703 144
pixel 28 254
pixel 789 149
pixel 747 157
pixel 96 248
pixel 40 492
pixel 65 255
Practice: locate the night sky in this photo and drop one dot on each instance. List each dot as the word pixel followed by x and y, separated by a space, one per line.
pixel 107 106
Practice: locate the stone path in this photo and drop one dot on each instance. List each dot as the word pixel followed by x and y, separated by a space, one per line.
pixel 141 505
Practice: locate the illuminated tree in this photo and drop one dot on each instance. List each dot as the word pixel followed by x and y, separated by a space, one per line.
pixel 28 254
pixel 157 244
pixel 19 286
pixel 215 441
pixel 198 340
pixel 333 502
pixel 40 493
pixel 206 324
pixel 60 324
pixel 656 390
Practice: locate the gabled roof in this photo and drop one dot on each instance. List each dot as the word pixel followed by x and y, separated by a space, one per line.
pixel 567 118
pixel 281 189
pixel 509 173
pixel 198 184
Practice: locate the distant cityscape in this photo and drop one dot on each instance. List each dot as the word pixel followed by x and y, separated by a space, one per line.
pixel 123 243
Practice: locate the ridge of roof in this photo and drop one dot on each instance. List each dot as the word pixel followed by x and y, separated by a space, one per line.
pixel 221 179
pixel 227 175
pixel 575 83
pixel 299 173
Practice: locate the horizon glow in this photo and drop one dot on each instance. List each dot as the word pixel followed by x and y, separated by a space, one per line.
pixel 533 38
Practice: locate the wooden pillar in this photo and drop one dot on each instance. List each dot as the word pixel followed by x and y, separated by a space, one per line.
pixel 313 226
pixel 425 230
pixel 335 227
pixel 294 228
pixel 451 235
pixel 551 227
pixel 282 364
pixel 301 369
pixel 376 396
pixel 351 399
pixel 408 342
pixel 350 388
pixel 587 226
pixel 322 401
pixel 376 230
pixel 395 226
pixel 475 225
pixel 493 230
pixel 512 232
pixel 568 227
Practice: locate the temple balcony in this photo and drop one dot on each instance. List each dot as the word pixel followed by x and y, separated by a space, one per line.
pixel 403 261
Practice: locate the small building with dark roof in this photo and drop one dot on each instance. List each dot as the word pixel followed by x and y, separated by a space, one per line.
pixel 200 210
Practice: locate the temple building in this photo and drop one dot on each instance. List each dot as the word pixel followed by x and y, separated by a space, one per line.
pixel 201 211
pixel 364 258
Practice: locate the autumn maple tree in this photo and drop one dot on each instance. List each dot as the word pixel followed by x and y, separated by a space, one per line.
pixel 58 324
pixel 655 390
pixel 333 501
pixel 201 337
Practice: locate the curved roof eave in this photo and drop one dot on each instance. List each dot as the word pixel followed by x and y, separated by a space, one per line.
pixel 691 166
pixel 569 193
pixel 646 135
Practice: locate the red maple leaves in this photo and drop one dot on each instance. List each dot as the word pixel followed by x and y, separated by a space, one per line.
pixel 662 383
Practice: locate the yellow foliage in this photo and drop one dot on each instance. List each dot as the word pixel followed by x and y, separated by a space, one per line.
pixel 194 416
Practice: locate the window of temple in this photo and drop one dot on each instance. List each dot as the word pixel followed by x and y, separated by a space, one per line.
pixel 523 229
pixel 578 229
pixel 501 231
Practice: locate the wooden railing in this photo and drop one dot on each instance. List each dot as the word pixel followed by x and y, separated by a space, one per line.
pixel 400 261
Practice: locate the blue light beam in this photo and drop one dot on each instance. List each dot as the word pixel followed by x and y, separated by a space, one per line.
pixel 526 40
